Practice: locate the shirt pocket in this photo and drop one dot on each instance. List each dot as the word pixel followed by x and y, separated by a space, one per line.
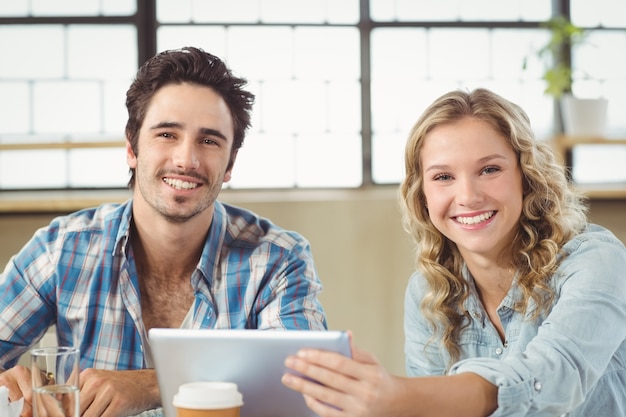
pixel 478 343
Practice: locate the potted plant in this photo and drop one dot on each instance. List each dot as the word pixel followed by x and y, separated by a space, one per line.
pixel 578 116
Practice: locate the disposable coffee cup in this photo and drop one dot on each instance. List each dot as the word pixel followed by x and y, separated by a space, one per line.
pixel 208 399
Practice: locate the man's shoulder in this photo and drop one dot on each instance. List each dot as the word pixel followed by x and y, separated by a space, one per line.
pixel 246 227
pixel 100 219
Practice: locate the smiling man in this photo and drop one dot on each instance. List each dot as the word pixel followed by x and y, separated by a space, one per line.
pixel 171 256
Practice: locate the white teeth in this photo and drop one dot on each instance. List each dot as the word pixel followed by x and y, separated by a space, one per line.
pixel 180 184
pixel 475 219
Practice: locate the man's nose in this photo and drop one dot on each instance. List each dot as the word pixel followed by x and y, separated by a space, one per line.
pixel 185 155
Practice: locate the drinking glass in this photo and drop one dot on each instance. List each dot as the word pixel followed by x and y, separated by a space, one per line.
pixel 55 381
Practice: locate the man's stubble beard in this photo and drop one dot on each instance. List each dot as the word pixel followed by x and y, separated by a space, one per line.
pixel 158 203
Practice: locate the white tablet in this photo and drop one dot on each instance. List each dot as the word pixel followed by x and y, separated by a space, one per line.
pixel 253 359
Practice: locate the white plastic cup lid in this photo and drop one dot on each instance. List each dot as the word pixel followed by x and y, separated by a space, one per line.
pixel 208 396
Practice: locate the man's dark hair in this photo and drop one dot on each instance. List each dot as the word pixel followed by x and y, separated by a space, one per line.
pixel 187 65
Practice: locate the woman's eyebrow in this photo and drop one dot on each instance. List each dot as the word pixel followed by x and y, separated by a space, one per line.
pixel 484 159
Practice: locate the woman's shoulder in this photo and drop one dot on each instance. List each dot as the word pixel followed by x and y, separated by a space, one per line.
pixel 594 258
pixel 592 237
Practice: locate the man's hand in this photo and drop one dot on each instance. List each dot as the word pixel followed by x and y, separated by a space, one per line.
pixel 117 393
pixel 18 382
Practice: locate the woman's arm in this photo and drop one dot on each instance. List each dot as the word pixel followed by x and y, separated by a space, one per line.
pixel 362 387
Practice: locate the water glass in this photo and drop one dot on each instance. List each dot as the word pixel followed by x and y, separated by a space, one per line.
pixel 55 381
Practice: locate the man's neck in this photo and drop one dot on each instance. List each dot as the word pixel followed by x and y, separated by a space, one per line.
pixel 165 247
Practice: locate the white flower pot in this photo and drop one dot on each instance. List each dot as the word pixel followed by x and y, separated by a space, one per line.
pixel 584 117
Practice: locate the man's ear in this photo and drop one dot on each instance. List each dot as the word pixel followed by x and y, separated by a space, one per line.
pixel 231 163
pixel 131 158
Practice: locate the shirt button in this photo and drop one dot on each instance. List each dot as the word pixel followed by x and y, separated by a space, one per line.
pixel 499 351
pixel 538 386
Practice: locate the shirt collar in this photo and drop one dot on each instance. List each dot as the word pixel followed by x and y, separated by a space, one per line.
pixel 122 218
pixel 472 303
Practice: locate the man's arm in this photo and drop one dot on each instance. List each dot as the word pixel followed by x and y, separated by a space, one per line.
pixel 118 393
pixel 18 382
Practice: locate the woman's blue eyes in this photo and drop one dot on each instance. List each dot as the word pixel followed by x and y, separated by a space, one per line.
pixel 486 170
pixel 442 177
pixel 489 170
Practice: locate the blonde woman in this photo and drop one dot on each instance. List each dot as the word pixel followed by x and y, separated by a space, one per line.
pixel 518 304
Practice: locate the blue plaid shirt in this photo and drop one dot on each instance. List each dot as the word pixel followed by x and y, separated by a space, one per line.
pixel 78 274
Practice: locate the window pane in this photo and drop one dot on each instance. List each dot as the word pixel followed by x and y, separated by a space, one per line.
pixel 16 44
pixel 114 115
pixel 258 11
pixel 326 53
pixel 210 38
pixel 66 61
pixel 78 111
pixel 65 7
pixel 14 113
pixel 33 169
pixel 98 167
pixel 173 11
pixel 261 52
pixel 221 11
pixel 107 61
pixel 14 8
pixel 39 8
pixel 265 161
pixel 388 157
pixel 459 54
pixel 119 7
pixel 309 11
pixel 343 106
pixel 329 160
pixel 453 10
pixel 607 13
pixel 342 11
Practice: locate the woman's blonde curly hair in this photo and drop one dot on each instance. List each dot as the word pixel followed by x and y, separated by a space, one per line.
pixel 552 213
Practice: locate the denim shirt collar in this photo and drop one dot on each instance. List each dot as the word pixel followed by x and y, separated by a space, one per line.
pixel 474 306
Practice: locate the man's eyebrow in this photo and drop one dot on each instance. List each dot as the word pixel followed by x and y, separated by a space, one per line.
pixel 162 125
pixel 176 125
pixel 213 132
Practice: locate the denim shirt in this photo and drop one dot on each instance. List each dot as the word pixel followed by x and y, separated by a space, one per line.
pixel 569 361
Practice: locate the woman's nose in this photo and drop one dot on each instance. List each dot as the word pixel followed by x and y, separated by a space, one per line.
pixel 468 193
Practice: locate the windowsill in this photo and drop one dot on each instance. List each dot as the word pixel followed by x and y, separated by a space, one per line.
pixel 65 201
